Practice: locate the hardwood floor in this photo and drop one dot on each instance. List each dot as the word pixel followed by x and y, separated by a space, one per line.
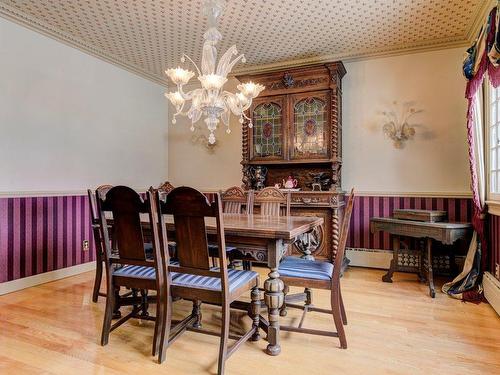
pixel 393 329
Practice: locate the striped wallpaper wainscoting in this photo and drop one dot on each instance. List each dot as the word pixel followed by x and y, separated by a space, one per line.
pixel 494 231
pixel 365 207
pixel 41 234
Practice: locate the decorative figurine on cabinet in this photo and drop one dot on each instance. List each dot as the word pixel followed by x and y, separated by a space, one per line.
pixel 258 174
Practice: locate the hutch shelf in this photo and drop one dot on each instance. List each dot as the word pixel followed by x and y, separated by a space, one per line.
pixel 297 131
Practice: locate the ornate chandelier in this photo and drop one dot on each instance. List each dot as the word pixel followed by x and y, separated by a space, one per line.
pixel 209 100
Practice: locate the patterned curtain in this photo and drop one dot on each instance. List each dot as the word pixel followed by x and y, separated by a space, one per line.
pixel 483 57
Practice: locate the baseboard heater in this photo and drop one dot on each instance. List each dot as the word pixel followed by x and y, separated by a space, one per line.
pixel 491 287
pixel 381 259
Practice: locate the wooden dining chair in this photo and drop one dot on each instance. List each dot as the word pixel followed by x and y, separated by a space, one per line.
pixel 269 201
pixel 295 271
pixel 96 231
pixel 272 202
pixel 235 200
pixel 195 279
pixel 127 264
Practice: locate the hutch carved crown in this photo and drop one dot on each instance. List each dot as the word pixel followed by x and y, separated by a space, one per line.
pixel 297 131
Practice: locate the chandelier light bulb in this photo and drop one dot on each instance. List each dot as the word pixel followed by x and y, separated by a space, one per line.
pixel 212 81
pixel 251 90
pixel 179 76
pixel 175 98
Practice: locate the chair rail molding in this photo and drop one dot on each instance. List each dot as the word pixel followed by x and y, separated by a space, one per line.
pixel 52 193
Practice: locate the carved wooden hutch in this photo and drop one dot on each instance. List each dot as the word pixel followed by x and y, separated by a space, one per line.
pixel 297 131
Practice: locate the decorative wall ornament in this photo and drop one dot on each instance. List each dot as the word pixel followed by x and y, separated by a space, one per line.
pixel 397 127
pixel 198 137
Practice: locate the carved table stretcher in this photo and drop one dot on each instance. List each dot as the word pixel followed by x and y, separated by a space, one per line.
pixel 446 233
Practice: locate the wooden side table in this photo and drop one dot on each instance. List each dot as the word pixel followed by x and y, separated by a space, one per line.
pixel 446 233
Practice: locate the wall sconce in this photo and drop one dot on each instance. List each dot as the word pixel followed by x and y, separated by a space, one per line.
pixel 199 138
pixel 396 126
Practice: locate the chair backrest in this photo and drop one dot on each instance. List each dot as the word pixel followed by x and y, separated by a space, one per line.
pixel 126 206
pixel 101 190
pixel 344 231
pixel 235 200
pixel 273 202
pixel 189 208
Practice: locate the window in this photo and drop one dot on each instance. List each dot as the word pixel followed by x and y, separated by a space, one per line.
pixel 267 130
pixel 493 141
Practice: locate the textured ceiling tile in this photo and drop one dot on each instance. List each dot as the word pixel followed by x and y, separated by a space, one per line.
pixel 149 36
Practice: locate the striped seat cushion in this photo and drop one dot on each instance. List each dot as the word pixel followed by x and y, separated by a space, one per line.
pixel 305 269
pixel 140 272
pixel 236 279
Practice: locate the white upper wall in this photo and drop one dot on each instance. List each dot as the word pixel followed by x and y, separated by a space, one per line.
pixel 191 164
pixel 69 121
pixel 435 161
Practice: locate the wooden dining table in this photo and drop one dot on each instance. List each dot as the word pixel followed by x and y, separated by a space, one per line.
pixel 265 239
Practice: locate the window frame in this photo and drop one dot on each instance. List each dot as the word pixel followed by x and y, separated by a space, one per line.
pixel 492 198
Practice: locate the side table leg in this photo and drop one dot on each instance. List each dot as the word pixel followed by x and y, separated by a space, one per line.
pixel 387 278
pixel 432 290
pixel 422 255
pixel 273 297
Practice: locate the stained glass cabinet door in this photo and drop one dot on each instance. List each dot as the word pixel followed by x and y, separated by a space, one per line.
pixel 267 135
pixel 310 127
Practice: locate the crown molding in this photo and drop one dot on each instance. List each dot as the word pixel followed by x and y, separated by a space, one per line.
pixel 32 23
pixel 352 57
pixel 13 14
pixel 479 20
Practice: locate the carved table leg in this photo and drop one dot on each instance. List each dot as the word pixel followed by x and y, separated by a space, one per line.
pixel 387 278
pixel 432 290
pixel 273 296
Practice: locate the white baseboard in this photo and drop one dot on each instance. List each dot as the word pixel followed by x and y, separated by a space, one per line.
pixel 26 282
pixel 370 258
pixel 492 291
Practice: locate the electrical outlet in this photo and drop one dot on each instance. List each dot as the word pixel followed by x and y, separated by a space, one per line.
pixel 497 271
pixel 86 245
